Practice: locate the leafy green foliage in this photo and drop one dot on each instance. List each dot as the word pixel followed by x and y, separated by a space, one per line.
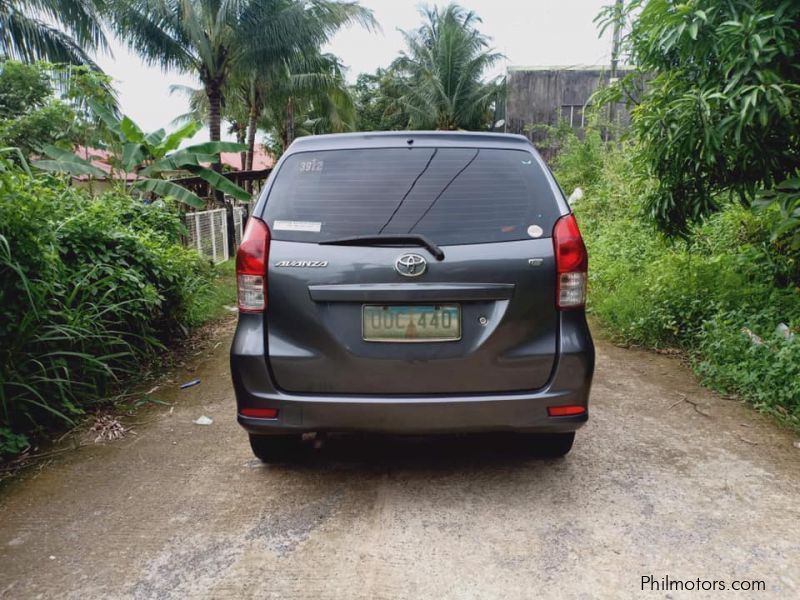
pixel 212 302
pixel 30 115
pixel 45 104
pixel 786 197
pixel 89 288
pixel 377 102
pixel 767 373
pixel 721 112
pixel 441 73
pixel 305 96
pixel 50 124
pixel 151 157
pixel 320 96
pixel 22 88
pixel 719 295
pixel 580 161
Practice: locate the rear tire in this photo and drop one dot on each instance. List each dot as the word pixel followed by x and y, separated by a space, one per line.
pixel 551 445
pixel 276 448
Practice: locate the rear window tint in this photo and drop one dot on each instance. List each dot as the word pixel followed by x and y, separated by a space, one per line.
pixel 452 195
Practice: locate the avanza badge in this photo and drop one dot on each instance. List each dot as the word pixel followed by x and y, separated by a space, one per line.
pixel 318 264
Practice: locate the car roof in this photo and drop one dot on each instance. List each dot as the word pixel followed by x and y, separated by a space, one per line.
pixel 404 139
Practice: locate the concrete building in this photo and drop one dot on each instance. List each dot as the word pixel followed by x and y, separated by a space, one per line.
pixel 542 96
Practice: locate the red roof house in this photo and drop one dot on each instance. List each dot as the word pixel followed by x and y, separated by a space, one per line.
pixel 101 159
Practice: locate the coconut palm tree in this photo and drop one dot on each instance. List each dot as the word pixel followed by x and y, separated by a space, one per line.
pixel 233 110
pixel 303 95
pixel 441 72
pixel 58 31
pixel 216 38
pixel 307 95
pixel 198 104
pixel 303 103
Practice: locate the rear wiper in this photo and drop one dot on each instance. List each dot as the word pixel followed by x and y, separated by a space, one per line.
pixel 388 239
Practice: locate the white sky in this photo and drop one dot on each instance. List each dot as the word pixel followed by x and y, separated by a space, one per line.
pixel 528 32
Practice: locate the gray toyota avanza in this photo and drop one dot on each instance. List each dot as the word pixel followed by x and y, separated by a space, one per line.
pixel 411 282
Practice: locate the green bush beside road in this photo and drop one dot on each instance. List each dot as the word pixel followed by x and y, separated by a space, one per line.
pixel 727 294
pixel 90 290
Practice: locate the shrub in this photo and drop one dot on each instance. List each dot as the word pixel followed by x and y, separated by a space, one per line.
pixel 718 295
pixel 89 288
pixel 765 370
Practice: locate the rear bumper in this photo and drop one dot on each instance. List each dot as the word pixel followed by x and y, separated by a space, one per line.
pixel 569 384
pixel 412 417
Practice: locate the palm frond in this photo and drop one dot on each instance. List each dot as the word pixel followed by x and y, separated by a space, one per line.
pixel 29 39
pixel 153 30
pixel 198 104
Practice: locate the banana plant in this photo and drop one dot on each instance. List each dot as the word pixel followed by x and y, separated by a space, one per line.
pixel 151 157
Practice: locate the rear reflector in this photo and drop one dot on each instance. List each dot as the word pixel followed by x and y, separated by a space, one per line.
pixel 260 413
pixel 565 411
pixel 572 263
pixel 251 267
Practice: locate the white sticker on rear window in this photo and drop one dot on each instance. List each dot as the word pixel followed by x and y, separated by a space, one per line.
pixel 310 226
pixel 535 231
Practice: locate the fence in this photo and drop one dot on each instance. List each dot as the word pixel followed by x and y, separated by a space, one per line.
pixel 238 225
pixel 208 232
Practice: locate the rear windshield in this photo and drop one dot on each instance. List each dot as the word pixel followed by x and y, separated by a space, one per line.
pixel 451 195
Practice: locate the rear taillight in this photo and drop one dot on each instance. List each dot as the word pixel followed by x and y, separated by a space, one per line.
pixel 251 267
pixel 571 264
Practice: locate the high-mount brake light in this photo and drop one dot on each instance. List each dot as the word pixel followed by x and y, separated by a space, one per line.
pixel 251 267
pixel 572 263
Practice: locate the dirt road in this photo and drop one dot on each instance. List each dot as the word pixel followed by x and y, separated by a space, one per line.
pixel 655 485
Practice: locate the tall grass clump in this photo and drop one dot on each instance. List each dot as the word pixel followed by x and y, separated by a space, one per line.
pixel 726 294
pixel 90 288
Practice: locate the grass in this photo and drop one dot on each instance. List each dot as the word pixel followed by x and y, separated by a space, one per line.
pixel 210 304
pixel 207 306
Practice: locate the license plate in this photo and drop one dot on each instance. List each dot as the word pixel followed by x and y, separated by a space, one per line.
pixel 414 323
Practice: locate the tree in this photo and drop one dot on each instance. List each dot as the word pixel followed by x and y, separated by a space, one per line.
pixel 233 110
pixel 309 90
pixel 314 101
pixel 84 88
pixel 28 30
pixel 22 88
pixel 720 114
pixel 215 39
pixel 42 103
pixel 198 104
pixel 30 114
pixel 152 158
pixel 376 98
pixel 441 72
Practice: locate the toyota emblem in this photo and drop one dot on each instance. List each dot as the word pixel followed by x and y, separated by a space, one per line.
pixel 410 265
